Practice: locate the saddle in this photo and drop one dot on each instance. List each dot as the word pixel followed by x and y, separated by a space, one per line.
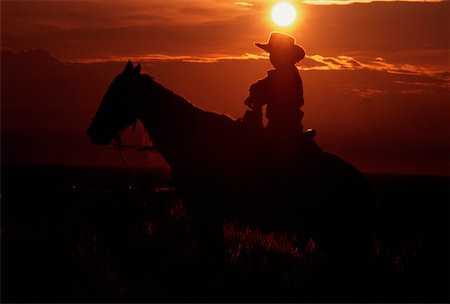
pixel 252 122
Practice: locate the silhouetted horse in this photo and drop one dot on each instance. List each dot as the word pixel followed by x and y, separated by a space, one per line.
pixel 221 168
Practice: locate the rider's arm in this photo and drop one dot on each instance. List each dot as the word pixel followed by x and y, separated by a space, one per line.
pixel 257 96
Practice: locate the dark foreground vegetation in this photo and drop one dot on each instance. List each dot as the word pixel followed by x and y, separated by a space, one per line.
pixel 113 235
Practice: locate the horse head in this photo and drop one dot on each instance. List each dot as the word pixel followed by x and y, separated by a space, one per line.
pixel 119 107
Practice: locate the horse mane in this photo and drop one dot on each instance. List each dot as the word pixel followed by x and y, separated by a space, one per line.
pixel 176 97
pixel 186 135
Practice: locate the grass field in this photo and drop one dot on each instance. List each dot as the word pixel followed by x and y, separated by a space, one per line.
pixel 116 235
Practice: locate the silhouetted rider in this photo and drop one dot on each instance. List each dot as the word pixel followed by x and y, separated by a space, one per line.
pixel 282 89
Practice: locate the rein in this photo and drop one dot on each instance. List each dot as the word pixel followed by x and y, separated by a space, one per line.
pixel 138 148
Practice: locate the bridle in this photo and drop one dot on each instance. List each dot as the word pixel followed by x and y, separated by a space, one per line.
pixel 118 145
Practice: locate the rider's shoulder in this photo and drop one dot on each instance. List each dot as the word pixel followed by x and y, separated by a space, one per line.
pixel 259 84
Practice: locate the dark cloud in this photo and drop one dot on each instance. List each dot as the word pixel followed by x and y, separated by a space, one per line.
pixel 382 28
pixel 440 77
pixel 400 32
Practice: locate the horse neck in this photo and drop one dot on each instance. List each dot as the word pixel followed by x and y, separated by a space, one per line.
pixel 158 102
pixel 185 135
pixel 164 115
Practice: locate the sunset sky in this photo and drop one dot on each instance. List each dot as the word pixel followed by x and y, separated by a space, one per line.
pixel 376 75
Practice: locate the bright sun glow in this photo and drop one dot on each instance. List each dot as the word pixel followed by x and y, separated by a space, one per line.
pixel 283 14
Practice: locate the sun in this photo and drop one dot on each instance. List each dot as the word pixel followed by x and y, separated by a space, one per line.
pixel 283 14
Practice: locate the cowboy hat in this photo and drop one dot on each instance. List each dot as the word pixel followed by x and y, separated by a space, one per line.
pixel 282 43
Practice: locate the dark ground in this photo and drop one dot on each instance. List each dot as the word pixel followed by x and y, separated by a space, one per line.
pixel 106 235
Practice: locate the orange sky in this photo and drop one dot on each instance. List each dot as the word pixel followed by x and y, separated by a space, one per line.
pixel 375 77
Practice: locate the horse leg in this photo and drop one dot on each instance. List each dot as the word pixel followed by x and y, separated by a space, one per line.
pixel 209 249
pixel 346 236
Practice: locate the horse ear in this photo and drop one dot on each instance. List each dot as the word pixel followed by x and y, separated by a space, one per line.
pixel 137 69
pixel 129 67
